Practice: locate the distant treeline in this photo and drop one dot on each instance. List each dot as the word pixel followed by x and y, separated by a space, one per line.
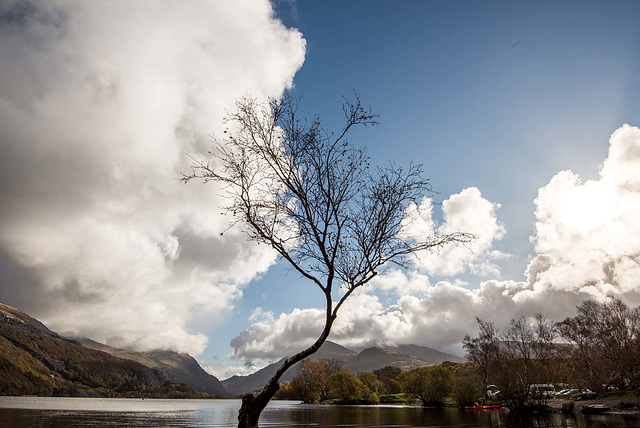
pixel 331 380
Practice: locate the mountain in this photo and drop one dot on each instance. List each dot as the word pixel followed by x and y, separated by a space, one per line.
pixel 181 368
pixel 331 350
pixel 36 361
pixel 12 316
pixel 143 358
pixel 372 359
pixel 405 357
pixel 426 353
pixel 238 385
pixel 184 368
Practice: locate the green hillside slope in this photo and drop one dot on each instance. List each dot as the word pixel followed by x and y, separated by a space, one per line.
pixel 34 361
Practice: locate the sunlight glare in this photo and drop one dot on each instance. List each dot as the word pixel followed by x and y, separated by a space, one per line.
pixel 589 207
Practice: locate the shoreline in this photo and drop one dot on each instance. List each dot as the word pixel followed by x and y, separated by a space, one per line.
pixel 617 406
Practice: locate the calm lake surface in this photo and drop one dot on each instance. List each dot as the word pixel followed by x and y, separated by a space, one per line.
pixel 36 412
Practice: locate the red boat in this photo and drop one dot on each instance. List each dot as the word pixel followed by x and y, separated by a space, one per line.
pixel 493 407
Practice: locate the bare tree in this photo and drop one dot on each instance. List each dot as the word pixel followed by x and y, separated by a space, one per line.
pixel 313 197
pixel 483 349
pixel 606 340
pixel 525 355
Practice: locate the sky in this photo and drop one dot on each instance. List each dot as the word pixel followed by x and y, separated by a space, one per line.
pixel 524 115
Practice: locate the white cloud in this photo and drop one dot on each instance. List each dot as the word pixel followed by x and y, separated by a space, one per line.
pixel 233 370
pixel 99 104
pixel 587 243
pixel 469 212
pixel 400 283
pixel 439 318
pixel 588 233
pixel 272 338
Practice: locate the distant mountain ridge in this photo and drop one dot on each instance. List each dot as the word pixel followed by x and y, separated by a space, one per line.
pixel 36 360
pixel 238 385
pixel 182 368
pixel 405 357
pixel 426 353
pixel 371 359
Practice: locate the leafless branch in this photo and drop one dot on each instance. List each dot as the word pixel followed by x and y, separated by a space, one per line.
pixel 314 198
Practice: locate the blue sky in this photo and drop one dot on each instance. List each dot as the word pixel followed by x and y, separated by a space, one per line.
pixel 493 97
pixel 498 95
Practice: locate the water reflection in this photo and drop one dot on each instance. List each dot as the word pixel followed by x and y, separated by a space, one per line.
pixel 28 412
pixel 336 416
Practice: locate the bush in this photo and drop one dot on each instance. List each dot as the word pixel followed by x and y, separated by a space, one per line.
pixel 372 382
pixel 431 384
pixel 390 378
pixel 465 390
pixel 346 388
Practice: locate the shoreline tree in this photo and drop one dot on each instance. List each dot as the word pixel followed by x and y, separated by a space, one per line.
pixel 431 384
pixel 605 339
pixel 313 197
pixel 525 358
pixel 482 350
pixel 516 361
pixel 311 384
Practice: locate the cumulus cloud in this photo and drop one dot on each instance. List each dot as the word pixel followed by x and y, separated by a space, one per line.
pixel 587 246
pixel 222 371
pixel 469 212
pixel 441 316
pixel 398 282
pixel 587 236
pixel 99 104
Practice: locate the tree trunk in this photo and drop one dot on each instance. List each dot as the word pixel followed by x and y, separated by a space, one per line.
pixel 252 407
pixel 254 404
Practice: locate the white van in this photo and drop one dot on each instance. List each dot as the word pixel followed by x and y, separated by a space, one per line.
pixel 542 390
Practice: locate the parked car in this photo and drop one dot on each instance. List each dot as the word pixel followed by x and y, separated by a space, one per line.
pixel 567 392
pixel 542 390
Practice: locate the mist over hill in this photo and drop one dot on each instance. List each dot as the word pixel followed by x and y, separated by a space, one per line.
pixel 35 360
pixel 179 367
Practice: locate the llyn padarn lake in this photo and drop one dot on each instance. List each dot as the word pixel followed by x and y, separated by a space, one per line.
pixel 35 412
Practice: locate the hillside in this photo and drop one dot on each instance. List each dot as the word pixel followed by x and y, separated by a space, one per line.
pixel 12 316
pixel 36 361
pixel 368 360
pixel 143 358
pixel 426 353
pixel 181 368
pixel 36 364
pixel 372 359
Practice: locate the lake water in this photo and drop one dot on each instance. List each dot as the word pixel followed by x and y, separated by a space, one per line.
pixel 35 412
